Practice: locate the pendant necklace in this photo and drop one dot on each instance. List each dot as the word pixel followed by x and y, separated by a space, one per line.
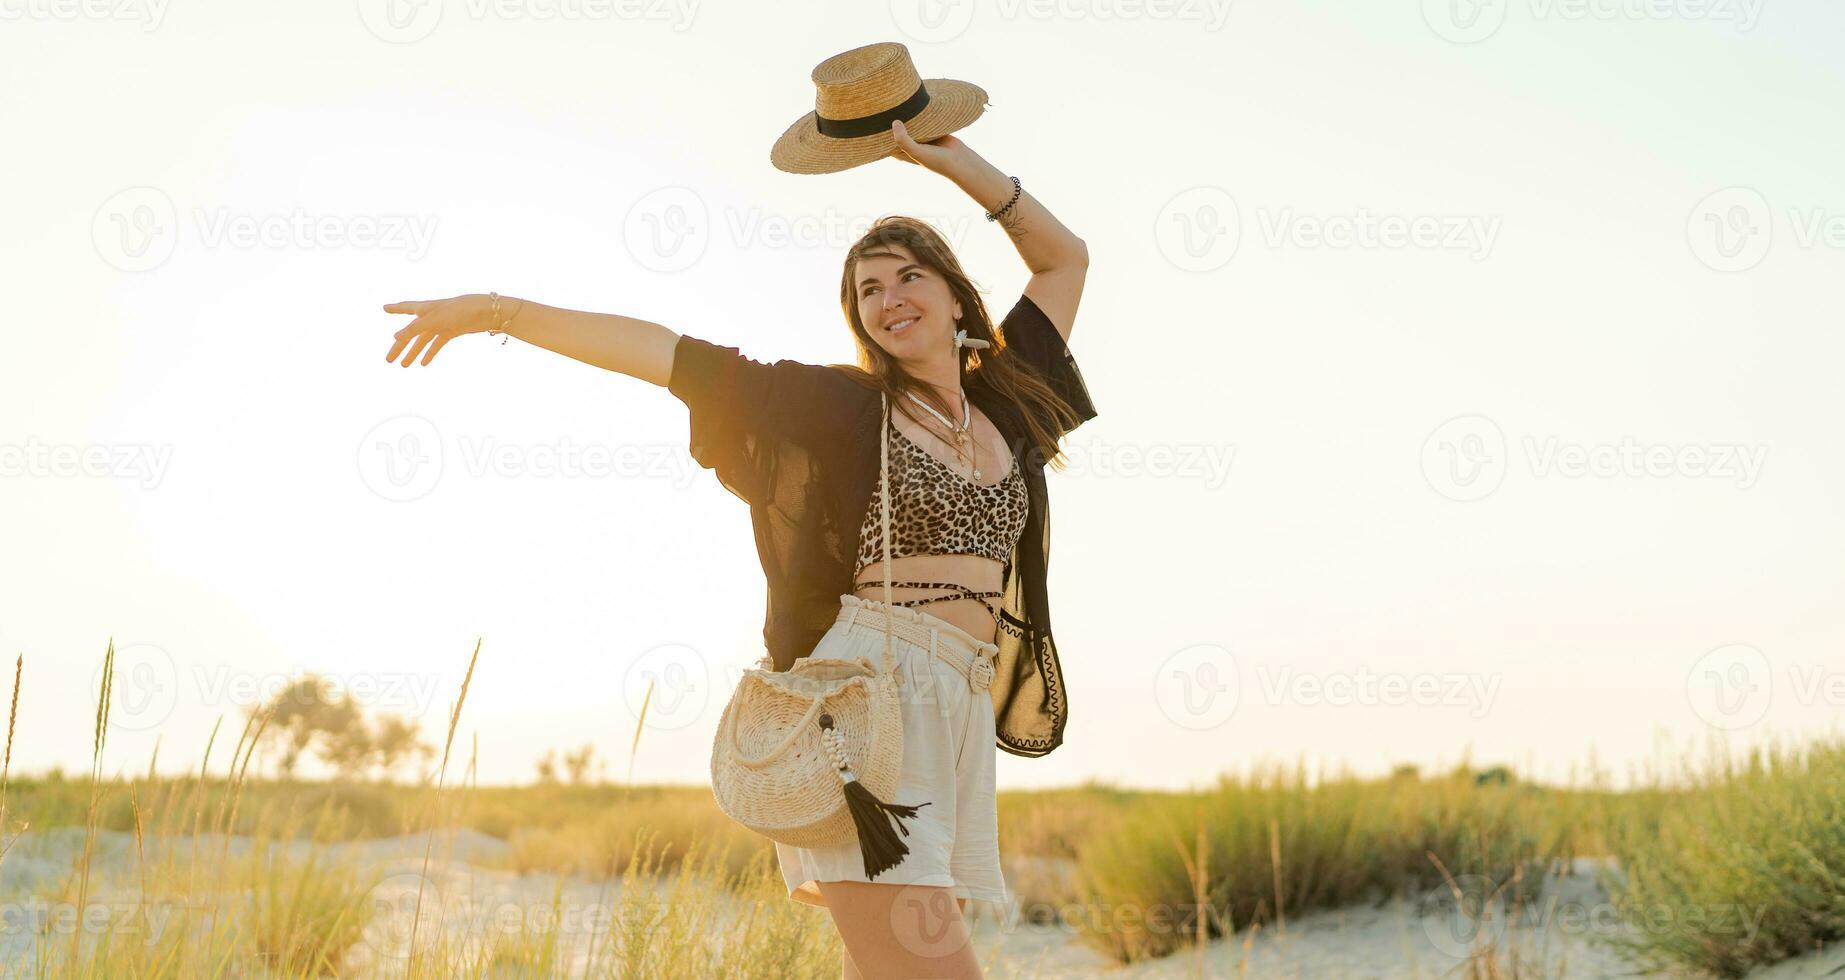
pixel 959 431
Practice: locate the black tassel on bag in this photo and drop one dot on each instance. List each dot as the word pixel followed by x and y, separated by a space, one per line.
pixel 878 823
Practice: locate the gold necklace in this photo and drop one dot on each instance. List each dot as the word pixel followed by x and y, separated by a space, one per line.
pixel 960 431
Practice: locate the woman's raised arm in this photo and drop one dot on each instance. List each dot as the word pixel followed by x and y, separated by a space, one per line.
pixel 637 348
pixel 1058 260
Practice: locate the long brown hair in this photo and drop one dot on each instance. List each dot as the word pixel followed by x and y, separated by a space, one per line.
pixel 1021 386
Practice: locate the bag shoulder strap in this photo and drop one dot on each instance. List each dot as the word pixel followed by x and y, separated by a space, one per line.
pixel 890 660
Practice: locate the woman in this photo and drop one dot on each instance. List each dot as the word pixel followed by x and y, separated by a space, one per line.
pixel 970 522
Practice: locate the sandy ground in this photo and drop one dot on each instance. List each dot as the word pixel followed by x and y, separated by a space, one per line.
pixel 1428 937
pixel 1561 934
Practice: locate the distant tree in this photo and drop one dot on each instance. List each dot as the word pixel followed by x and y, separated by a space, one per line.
pixel 299 713
pixel 307 715
pixel 547 768
pixel 395 742
pixel 577 764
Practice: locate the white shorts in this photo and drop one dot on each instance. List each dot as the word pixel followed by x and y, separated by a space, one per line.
pixel 948 761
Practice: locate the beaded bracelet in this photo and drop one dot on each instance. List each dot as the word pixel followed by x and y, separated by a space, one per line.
pixel 503 324
pixel 994 216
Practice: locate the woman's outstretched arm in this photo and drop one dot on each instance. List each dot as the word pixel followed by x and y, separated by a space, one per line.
pixel 740 410
pixel 637 348
pixel 1058 260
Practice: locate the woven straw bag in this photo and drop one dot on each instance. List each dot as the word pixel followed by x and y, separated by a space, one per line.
pixel 807 757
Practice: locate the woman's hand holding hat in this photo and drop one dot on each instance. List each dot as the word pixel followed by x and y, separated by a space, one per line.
pixel 940 155
pixel 858 94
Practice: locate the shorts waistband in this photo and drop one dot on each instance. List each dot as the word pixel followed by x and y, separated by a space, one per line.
pixel 970 657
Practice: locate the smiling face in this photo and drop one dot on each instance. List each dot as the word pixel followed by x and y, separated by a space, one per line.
pixel 906 307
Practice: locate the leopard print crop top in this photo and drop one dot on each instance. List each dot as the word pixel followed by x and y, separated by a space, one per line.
pixel 941 512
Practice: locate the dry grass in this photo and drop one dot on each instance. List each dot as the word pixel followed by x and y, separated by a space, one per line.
pixel 222 875
pixel 218 873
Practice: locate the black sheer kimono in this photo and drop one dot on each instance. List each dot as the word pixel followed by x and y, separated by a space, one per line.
pixel 798 442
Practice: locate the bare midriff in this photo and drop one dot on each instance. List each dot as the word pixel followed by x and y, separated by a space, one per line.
pixel 978 574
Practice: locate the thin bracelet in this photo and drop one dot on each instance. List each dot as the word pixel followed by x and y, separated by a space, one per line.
pixel 502 323
pixel 994 216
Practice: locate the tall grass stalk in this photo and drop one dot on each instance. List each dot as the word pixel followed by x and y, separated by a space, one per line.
pixel 105 687
pixel 639 724
pixel 441 775
pixel 6 764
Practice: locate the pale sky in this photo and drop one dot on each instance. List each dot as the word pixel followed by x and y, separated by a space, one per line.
pixel 1468 374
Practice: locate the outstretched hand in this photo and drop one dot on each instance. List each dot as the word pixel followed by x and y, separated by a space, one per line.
pixel 940 155
pixel 440 321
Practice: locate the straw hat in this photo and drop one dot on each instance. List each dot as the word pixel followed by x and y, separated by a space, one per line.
pixel 857 94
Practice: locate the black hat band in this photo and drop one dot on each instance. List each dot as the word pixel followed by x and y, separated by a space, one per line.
pixel 870 125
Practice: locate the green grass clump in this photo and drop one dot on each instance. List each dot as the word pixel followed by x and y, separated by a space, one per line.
pixel 1273 844
pixel 1744 868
